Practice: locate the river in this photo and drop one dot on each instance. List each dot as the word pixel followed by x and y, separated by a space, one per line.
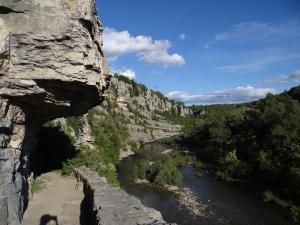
pixel 224 204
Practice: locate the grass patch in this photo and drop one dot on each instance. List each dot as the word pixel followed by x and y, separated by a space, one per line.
pixel 37 186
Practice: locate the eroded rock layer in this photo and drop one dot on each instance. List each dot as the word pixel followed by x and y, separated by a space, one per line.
pixel 51 65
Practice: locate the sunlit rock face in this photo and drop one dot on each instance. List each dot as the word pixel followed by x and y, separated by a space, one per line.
pixel 51 65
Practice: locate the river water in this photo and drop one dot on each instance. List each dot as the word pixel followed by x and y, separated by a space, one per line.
pixel 224 204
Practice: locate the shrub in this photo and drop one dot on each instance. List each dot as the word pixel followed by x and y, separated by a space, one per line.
pixel 164 172
pixel 75 123
pixel 36 186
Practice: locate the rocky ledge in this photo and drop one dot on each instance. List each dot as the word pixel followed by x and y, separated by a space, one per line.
pixel 109 205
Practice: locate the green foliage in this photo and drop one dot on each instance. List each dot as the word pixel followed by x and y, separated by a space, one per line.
pixel 94 159
pixel 74 123
pixel 160 96
pixel 258 142
pixel 135 146
pixel 165 171
pixel 37 185
pixel 114 89
pixel 124 79
pixel 294 211
pixel 141 168
pixel 175 118
pixel 110 137
pixel 230 167
pixel 136 88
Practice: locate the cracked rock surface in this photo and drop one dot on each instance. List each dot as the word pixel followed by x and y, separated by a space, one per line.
pixel 51 65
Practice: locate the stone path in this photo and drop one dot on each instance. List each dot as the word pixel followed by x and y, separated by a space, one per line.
pixel 58 203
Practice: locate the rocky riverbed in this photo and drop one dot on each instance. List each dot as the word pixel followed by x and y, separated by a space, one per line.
pixel 185 196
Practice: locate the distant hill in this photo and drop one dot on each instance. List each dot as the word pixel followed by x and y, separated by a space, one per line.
pixel 200 110
pixel 295 92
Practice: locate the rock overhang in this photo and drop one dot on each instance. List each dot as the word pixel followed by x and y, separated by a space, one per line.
pixel 51 61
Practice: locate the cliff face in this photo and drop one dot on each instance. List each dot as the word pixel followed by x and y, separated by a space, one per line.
pixel 146 115
pixel 150 115
pixel 51 65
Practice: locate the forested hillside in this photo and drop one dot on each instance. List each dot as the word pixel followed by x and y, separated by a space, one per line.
pixel 256 144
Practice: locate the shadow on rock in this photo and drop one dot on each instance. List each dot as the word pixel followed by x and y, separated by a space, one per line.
pixel 53 148
pixel 87 214
pixel 49 220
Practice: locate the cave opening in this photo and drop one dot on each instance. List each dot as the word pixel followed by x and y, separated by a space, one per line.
pixel 53 148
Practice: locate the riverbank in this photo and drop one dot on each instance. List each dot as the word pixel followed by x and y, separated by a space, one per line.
pixel 213 201
pixel 185 196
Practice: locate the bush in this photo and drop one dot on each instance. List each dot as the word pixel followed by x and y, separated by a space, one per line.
pixel 134 145
pixel 110 137
pixel 164 172
pixel 92 158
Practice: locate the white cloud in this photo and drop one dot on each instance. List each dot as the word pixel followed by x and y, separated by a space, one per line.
pixel 127 73
pixel 258 31
pixel 206 46
pixel 234 95
pixel 283 79
pixel 163 59
pixel 182 36
pixel 117 43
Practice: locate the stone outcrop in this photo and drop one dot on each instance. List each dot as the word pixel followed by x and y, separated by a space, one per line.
pixel 145 110
pixel 51 65
pixel 109 205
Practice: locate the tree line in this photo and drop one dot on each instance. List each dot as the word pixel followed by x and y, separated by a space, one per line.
pixel 257 144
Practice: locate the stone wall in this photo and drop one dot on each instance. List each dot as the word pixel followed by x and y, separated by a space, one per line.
pixel 110 205
pixel 16 140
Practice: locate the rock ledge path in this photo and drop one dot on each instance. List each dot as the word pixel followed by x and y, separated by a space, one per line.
pixel 60 198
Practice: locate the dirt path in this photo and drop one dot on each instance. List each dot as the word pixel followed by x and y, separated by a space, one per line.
pixel 57 203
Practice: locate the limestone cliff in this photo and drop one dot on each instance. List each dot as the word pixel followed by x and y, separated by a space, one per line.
pixel 147 115
pixel 150 115
pixel 51 65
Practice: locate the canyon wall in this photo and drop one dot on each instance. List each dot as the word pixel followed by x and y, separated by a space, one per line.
pixel 51 65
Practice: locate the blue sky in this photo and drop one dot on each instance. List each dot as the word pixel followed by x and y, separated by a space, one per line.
pixel 207 51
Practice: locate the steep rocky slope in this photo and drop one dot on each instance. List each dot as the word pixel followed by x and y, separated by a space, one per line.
pixel 51 65
pixel 147 115
pixel 150 114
